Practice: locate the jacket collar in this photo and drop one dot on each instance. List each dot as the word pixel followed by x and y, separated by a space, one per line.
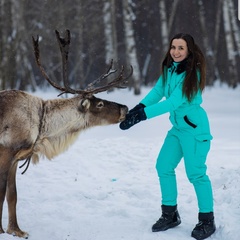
pixel 179 66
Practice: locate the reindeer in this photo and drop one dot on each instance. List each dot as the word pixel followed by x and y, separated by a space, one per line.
pixel 31 127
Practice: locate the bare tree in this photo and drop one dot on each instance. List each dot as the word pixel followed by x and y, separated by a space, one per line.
pixel 216 37
pixel 8 62
pixel 236 34
pixel 79 56
pixel 25 75
pixel 164 25
pixel 166 22
pixel 131 45
pixel 109 15
pixel 229 44
pixel 206 43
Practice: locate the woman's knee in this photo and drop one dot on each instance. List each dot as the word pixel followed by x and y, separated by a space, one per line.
pixel 197 177
pixel 164 168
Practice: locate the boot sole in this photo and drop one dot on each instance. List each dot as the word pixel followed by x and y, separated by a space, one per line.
pixel 167 227
pixel 203 237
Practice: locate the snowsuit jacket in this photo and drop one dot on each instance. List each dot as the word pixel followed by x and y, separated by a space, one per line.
pixel 184 115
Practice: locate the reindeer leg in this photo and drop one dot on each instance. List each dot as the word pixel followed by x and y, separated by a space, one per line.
pixel 13 227
pixel 5 163
pixel 3 182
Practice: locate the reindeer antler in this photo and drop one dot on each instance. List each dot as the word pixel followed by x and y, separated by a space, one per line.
pixel 37 58
pixel 64 44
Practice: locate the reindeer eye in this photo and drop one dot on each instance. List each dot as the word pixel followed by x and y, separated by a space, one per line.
pixel 100 105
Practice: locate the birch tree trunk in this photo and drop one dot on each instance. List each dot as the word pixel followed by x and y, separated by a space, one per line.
pixel 235 30
pixel 24 76
pixel 216 37
pixel 131 53
pixel 236 37
pixel 78 67
pixel 230 45
pixel 166 22
pixel 110 31
pixel 9 34
pixel 164 25
pixel 206 44
pixel 172 15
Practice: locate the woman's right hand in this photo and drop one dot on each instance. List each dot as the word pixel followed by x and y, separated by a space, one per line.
pixel 137 107
pixel 133 117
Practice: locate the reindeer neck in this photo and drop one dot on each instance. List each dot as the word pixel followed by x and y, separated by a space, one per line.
pixel 61 116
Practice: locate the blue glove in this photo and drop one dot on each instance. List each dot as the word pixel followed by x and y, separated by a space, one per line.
pixel 132 118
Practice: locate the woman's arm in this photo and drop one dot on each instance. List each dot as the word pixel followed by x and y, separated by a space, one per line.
pixel 175 100
pixel 155 95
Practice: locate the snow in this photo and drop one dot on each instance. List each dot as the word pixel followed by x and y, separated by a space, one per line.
pixel 105 186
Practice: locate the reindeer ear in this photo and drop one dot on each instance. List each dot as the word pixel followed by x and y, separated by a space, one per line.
pixel 84 105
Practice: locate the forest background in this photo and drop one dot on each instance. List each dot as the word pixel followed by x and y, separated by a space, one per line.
pixel 131 32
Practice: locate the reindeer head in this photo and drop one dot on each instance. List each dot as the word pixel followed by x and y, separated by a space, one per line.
pixel 101 112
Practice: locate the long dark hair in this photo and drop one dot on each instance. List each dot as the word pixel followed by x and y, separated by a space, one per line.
pixel 192 64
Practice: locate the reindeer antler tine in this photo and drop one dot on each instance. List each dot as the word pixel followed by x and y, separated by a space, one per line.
pixel 102 77
pixel 125 79
pixel 64 44
pixel 116 83
pixel 37 58
pixel 110 66
pixel 130 74
pixel 35 46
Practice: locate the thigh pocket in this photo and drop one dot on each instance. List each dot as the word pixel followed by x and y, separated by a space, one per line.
pixel 203 143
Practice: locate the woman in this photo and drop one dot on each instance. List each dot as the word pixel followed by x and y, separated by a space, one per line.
pixel 181 83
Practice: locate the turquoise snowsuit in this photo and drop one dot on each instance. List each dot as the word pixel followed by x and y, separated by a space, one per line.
pixel 189 138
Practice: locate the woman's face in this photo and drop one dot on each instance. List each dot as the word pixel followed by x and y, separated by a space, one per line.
pixel 178 50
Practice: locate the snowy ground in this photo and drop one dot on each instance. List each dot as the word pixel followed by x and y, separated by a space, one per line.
pixel 105 186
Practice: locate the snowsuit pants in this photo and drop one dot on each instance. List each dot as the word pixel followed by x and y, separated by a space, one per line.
pixel 177 145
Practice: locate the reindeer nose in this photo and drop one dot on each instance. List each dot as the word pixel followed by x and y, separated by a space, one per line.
pixel 123 112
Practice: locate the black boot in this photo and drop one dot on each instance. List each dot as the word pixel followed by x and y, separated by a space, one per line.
pixel 169 219
pixel 206 226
